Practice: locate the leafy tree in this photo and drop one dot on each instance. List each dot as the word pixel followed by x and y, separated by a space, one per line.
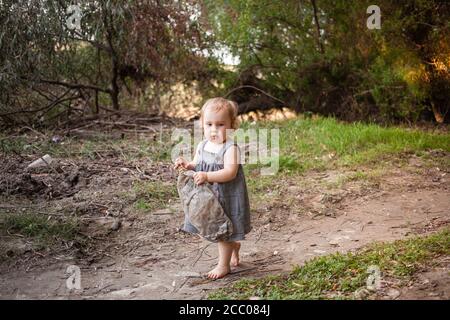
pixel 48 64
pixel 320 56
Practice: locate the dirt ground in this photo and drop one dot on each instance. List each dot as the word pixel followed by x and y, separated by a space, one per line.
pixel 146 256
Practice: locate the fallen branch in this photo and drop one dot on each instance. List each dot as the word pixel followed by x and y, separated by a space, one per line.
pixel 201 253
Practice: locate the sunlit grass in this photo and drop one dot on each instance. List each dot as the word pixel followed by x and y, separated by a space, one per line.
pixel 339 275
pixel 322 143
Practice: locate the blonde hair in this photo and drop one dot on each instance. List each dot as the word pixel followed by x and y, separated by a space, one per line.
pixel 222 104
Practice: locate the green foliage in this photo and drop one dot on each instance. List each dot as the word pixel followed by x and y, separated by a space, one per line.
pixel 41 229
pixel 153 195
pixel 46 65
pixel 320 59
pixel 339 275
pixel 388 75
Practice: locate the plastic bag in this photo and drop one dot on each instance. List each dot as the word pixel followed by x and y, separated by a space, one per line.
pixel 203 209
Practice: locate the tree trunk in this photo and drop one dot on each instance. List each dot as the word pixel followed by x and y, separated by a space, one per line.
pixel 316 19
pixel 114 86
pixel 109 26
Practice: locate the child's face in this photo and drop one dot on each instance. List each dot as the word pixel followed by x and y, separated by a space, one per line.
pixel 215 124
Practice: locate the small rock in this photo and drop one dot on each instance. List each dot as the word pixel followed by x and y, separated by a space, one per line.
pixel 334 242
pixel 72 178
pixel 116 225
pixel 362 293
pixel 433 294
pixel 393 293
pixel 56 139
pixel 275 253
pixel 415 162
pixel 329 213
pixel 139 284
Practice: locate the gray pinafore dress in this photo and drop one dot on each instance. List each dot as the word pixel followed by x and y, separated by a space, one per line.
pixel 232 195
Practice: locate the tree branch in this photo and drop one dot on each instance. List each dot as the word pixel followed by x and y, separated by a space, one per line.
pixel 316 19
pixel 74 85
pixel 252 87
pixel 50 105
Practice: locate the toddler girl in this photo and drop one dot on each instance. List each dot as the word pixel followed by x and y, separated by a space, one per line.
pixel 216 161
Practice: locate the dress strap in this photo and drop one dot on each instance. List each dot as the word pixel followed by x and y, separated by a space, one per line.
pixel 221 154
pixel 200 150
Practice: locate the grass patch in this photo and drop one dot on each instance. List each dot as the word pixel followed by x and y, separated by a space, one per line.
pixel 317 143
pixel 322 143
pixel 338 275
pixel 266 189
pixel 153 195
pixel 40 229
pixel 257 184
pixel 372 176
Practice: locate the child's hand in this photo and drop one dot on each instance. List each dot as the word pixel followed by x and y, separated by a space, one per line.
pixel 200 177
pixel 181 162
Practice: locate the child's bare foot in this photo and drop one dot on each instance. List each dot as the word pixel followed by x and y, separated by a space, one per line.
pixel 235 255
pixel 218 272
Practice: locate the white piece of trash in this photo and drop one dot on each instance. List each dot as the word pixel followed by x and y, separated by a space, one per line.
pixel 41 162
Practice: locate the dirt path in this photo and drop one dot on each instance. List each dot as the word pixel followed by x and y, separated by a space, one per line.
pixel 150 259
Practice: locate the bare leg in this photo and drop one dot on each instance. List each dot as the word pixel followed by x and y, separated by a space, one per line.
pixel 223 266
pixel 235 254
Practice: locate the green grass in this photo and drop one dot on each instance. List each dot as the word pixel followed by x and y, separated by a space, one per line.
pixel 153 195
pixel 322 143
pixel 338 275
pixel 305 143
pixel 258 184
pixel 327 144
pixel 40 229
